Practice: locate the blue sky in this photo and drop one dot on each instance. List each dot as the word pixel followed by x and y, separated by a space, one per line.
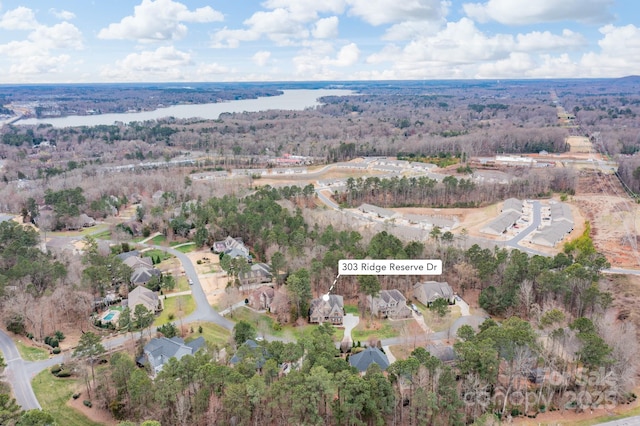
pixel 274 40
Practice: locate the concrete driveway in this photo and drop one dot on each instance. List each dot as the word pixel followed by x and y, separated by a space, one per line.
pixel 349 322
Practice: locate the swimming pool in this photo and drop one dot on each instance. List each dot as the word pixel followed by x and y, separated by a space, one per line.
pixel 109 316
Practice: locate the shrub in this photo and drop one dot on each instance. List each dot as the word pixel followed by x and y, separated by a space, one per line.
pixel 56 369
pixel 200 329
pixel 76 395
pixel 59 336
pixel 30 336
pixel 56 350
pixel 63 373
pixel 87 403
pixel 171 317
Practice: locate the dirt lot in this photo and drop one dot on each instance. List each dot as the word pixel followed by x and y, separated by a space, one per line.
pixel 212 278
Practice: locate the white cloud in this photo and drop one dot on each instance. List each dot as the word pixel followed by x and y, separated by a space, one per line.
pixel 165 63
pixel 306 10
pixel 619 53
pixel 319 60
pixel 261 58
pixel 45 64
pixel 326 28
pixel 546 41
pixel 20 18
pixel 393 11
pixel 347 56
pixel 156 20
pixel 60 36
pixel 205 72
pixel 521 12
pixel 286 22
pixel 64 15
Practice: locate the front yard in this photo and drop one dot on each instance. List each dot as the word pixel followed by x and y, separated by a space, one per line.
pixel 53 393
pixel 378 329
pixel 175 308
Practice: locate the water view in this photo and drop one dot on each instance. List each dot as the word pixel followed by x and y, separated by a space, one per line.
pixel 293 100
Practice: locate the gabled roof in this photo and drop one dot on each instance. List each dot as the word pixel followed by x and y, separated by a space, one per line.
pixel 158 351
pixel 371 355
pixel 431 290
pixel 128 254
pixel 143 296
pixel 500 224
pixel 322 307
pixel 143 274
pixel 382 212
pixel 136 262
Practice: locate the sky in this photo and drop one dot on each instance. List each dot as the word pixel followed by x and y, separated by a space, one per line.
pixel 84 41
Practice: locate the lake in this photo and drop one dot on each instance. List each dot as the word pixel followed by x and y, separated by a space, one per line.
pixel 291 100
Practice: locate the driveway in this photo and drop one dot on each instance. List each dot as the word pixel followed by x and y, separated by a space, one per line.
pixel 349 321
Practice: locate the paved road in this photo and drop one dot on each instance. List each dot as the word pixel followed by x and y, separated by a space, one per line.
pixel 18 373
pixel 204 311
pixel 629 421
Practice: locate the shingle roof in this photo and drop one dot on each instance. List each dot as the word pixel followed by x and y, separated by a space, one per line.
pixel 501 223
pixel 371 355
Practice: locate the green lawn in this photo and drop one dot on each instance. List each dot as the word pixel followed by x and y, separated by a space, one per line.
pixel 187 248
pixel 437 323
pixel 351 309
pixel 264 324
pixel 154 253
pixel 53 393
pixel 182 284
pixel 212 333
pixel 30 353
pixel 104 235
pixel 179 307
pixel 83 232
pixel 376 329
pixel 158 240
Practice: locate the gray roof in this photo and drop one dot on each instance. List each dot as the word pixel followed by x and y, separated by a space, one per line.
pixel 371 355
pixel 124 256
pixel 427 292
pixel 500 224
pixel 258 270
pixel 368 208
pixel 550 235
pixel 561 212
pixel 512 204
pixel 388 295
pixel 158 351
pixel 143 274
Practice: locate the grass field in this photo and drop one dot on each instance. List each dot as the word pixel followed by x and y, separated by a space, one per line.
pixel 93 230
pixel 376 329
pixel 212 333
pixel 187 248
pixel 179 307
pixel 153 253
pixel 30 353
pixel 104 235
pixel 351 309
pixel 437 323
pixel 53 393
pixel 264 324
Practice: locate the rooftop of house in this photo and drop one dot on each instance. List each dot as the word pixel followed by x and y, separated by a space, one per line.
pixel 361 361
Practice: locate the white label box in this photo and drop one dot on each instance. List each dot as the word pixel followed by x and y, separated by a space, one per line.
pixel 390 267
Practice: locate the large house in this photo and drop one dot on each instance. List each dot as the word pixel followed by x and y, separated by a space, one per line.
pixel 143 296
pixel 362 360
pixel 233 247
pixel 331 310
pixel 429 291
pixel 260 273
pixel 261 298
pixel 389 303
pixel 158 351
